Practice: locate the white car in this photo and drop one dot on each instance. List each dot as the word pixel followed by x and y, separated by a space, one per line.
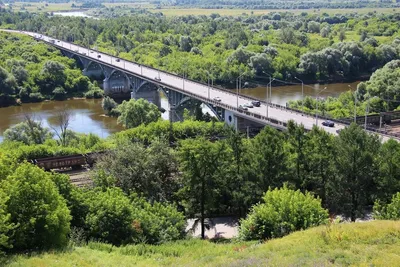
pixel 218 99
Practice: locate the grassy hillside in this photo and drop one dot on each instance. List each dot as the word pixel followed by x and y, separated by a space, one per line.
pixel 362 244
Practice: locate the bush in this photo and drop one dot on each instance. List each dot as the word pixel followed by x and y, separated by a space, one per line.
pixel 157 223
pixel 36 97
pixel 36 208
pixel 282 212
pixel 110 217
pixel 108 104
pixel 59 93
pixel 94 93
pixel 390 211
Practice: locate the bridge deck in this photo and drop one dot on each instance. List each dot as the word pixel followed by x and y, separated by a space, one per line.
pixel 277 115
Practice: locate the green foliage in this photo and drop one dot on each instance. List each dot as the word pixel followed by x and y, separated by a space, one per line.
pixel 157 223
pixel 147 171
pixel 356 167
pixel 389 211
pixel 28 132
pixel 204 165
pixel 282 212
pixel 34 71
pixel 39 212
pixel 136 112
pixel 6 226
pixel 94 93
pixel 108 104
pixel 110 217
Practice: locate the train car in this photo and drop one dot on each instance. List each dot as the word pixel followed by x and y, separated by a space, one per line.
pixel 74 161
pixel 92 157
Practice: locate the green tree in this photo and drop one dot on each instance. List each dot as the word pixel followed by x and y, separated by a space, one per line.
pixel 147 171
pixel 7 82
pixel 108 104
pixel 39 212
pixel 137 112
pixel 29 132
pixel 356 168
pixel 282 212
pixel 204 165
pixel 267 161
pixel 389 169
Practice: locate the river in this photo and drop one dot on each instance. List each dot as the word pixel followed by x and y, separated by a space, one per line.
pixel 87 114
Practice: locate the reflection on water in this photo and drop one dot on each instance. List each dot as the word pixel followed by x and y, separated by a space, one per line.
pixel 283 94
pixel 87 116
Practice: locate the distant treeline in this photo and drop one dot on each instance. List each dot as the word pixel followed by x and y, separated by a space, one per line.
pixel 280 4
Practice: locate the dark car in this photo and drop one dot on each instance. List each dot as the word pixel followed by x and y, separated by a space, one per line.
pixel 256 103
pixel 328 123
pixel 98 56
pixel 117 60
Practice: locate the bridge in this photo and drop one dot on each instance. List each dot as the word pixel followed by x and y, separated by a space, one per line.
pixel 121 76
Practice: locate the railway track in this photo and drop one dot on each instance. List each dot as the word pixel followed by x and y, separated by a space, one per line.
pixel 79 178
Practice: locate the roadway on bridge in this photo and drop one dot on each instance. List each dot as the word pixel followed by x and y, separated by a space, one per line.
pixel 183 85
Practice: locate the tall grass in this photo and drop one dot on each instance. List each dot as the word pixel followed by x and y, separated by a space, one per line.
pixel 374 243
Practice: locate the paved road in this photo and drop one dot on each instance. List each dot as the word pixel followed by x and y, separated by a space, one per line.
pixel 228 100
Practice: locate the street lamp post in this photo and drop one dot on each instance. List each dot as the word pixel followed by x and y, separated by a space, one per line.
pixel 316 113
pixel 237 88
pixel 355 103
pixel 302 92
pixel 269 85
pixel 366 114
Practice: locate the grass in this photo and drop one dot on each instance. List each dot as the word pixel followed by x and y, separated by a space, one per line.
pixel 374 243
pixel 235 12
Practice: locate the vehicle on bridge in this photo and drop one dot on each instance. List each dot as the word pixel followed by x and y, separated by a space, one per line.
pixel 256 103
pixel 328 123
pixel 218 99
pixel 248 105
pixel 242 107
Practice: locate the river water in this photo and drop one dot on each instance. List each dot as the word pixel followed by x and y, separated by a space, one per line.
pixel 87 114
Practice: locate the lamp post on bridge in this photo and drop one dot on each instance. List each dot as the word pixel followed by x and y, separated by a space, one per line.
pixel 316 98
pixel 302 92
pixel 269 85
pixel 238 80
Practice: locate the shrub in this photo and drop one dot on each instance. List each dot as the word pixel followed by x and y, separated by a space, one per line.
pixel 94 93
pixel 36 208
pixel 36 97
pixel 157 223
pixel 59 93
pixel 108 104
pixel 110 217
pixel 282 212
pixel 390 211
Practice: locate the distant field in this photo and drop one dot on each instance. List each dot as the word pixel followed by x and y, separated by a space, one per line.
pixel 41 7
pixel 54 7
pixel 235 12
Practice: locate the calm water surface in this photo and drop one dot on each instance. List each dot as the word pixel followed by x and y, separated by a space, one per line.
pixel 283 94
pixel 87 115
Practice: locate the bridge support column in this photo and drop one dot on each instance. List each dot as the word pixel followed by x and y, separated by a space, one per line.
pixel 107 86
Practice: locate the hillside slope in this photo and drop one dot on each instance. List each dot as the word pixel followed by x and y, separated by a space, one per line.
pixel 374 243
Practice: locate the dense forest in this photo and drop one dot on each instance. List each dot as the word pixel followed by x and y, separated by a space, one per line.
pixel 32 71
pixel 280 4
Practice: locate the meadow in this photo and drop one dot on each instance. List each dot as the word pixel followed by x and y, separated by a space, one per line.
pixel 375 243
